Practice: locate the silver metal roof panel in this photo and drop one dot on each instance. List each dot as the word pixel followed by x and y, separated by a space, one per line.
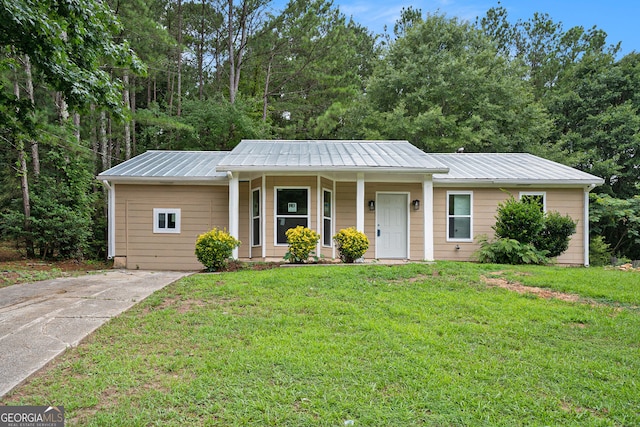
pixel 169 164
pixel 285 155
pixel 516 168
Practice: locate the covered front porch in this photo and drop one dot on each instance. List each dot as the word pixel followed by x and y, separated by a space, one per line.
pixel 395 212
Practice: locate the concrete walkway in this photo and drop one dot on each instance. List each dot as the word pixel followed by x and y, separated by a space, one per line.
pixel 39 321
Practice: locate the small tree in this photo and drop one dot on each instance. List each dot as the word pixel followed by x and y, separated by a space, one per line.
pixel 351 244
pixel 302 241
pixel 214 248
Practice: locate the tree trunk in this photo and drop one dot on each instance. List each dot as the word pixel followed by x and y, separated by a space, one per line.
pixel 62 107
pixel 133 115
pixel 232 56
pixel 93 136
pixel 179 101
pixel 265 96
pixel 35 151
pixel 76 127
pixel 127 124
pixel 200 53
pixel 24 185
pixel 103 140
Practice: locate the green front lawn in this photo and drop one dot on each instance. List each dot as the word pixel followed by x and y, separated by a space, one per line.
pixel 369 345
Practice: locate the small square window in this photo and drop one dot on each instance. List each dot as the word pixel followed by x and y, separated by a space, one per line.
pixel 166 220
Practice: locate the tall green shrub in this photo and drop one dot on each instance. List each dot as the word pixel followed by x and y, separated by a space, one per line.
pixel 555 234
pixel 526 235
pixel 214 248
pixel 518 220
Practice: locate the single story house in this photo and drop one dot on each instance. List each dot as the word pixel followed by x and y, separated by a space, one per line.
pixel 412 205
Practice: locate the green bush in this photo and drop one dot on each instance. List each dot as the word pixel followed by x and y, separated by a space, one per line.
pixel 351 244
pixel 599 252
pixel 509 251
pixel 555 234
pixel 519 220
pixel 302 241
pixel 214 248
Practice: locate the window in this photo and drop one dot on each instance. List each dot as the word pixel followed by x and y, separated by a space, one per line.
pixel 292 209
pixel 166 220
pixel 255 217
pixel 327 210
pixel 535 197
pixel 459 216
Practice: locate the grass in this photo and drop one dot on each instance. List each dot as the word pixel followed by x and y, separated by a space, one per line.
pixel 402 345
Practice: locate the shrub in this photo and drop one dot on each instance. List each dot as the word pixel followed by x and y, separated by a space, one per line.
pixel 555 234
pixel 302 241
pixel 351 244
pixel 519 220
pixel 214 248
pixel 599 252
pixel 509 251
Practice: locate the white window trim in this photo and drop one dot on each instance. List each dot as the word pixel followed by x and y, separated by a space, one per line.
pixel 275 210
pixel 331 233
pixel 158 211
pixel 536 193
pixel 470 194
pixel 253 218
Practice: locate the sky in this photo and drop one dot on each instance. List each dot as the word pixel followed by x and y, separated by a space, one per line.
pixel 620 19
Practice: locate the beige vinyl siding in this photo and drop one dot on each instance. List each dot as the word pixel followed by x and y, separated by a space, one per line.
pixel 485 206
pixel 202 208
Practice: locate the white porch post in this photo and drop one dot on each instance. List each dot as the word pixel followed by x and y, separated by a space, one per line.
pixel 427 202
pixel 319 213
pixel 263 218
pixel 234 208
pixel 360 203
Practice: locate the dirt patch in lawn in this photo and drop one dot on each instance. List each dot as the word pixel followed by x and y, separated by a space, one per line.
pixel 522 289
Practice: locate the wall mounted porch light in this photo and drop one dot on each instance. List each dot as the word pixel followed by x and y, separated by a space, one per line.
pixel 372 205
pixel 416 204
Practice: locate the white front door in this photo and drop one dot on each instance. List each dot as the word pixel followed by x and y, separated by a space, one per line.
pixel 391 225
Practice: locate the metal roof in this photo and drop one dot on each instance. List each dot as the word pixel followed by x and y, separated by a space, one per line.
pixel 282 155
pixel 365 156
pixel 186 165
pixel 516 168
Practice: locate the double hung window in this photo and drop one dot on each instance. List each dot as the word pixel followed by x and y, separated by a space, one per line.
pixel 459 216
pixel 292 210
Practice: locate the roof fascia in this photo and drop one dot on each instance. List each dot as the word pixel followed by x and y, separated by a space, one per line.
pixel 319 170
pixel 452 182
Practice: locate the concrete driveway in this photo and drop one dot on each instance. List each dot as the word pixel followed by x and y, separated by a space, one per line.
pixel 40 320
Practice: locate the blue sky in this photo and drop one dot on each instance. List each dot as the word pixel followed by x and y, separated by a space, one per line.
pixel 620 19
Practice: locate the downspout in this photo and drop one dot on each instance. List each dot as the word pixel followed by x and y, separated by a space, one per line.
pixel 586 223
pixel 111 219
